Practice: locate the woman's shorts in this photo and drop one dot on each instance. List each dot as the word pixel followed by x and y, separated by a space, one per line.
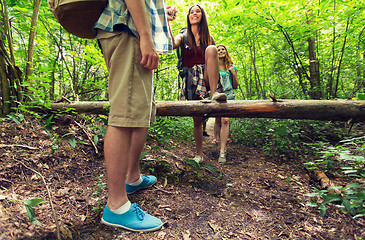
pixel 130 84
pixel 198 85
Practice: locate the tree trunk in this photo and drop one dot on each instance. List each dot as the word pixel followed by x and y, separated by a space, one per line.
pixel 298 65
pixel 314 77
pixel 257 77
pixel 15 76
pixel 316 88
pixel 335 110
pixel 33 28
pixel 340 61
pixel 332 69
pixel 4 85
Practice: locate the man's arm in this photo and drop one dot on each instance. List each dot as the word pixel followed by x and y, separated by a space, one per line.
pixel 137 8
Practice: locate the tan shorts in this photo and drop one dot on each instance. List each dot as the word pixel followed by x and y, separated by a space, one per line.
pixel 130 84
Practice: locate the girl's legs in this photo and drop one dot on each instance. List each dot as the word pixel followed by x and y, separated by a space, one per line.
pixel 224 134
pixel 211 73
pixel 198 135
pixel 217 127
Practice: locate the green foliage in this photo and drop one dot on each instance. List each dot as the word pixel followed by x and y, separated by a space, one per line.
pixel 96 125
pixel 198 166
pixel 280 137
pixel 346 160
pixel 166 128
pixel 266 40
pixel 17 117
pixel 349 198
pixel 97 192
pixel 361 96
pixel 29 206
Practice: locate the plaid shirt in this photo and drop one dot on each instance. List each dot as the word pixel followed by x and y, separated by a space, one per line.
pixel 116 12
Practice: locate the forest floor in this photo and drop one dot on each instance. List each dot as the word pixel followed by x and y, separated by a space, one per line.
pixel 251 196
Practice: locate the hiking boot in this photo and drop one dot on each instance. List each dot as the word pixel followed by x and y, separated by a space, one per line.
pixel 205 134
pixel 198 159
pixel 147 181
pixel 222 158
pixel 135 219
pixel 219 97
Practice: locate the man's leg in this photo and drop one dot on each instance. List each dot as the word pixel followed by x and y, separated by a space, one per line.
pixel 116 145
pixel 137 143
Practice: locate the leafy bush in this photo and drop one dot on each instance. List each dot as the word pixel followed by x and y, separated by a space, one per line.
pixel 345 160
pixel 282 137
pixel 166 128
pixel 349 198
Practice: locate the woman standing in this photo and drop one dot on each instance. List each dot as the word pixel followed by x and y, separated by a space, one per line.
pixel 200 57
pixel 228 73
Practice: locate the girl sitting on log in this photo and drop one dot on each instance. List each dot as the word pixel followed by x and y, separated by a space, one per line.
pixel 200 64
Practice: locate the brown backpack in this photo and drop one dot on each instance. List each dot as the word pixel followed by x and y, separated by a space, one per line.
pixel 77 16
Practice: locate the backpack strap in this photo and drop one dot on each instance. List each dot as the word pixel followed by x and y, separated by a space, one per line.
pixel 180 50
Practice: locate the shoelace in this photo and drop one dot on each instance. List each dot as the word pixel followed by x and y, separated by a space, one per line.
pixel 139 212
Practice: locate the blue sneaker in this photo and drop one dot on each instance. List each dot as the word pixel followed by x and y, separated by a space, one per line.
pixel 147 181
pixel 135 219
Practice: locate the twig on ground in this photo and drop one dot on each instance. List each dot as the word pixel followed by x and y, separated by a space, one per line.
pixel 50 198
pixel 160 189
pixel 92 142
pixel 17 145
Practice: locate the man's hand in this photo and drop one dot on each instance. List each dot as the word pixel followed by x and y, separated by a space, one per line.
pixel 149 54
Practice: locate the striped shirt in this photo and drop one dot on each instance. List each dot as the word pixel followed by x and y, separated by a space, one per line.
pixel 117 13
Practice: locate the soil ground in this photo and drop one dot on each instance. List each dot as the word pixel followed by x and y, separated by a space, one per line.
pixel 251 196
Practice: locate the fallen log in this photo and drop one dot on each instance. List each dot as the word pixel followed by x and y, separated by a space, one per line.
pixel 335 110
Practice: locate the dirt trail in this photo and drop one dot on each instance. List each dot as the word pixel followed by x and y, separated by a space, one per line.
pixel 249 197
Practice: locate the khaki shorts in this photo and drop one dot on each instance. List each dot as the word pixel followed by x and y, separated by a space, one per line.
pixel 130 84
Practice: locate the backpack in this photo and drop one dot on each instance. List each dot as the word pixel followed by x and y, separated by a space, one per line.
pixel 78 16
pixel 185 71
pixel 180 53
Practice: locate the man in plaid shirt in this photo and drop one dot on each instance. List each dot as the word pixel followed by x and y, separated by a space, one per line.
pixel 130 33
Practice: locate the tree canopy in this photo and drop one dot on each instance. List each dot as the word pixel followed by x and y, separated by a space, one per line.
pixel 290 49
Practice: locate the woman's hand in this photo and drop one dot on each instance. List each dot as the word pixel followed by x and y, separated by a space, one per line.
pixel 231 69
pixel 171 13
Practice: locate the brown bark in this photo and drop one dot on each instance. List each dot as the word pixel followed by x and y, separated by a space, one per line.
pixel 321 177
pixel 336 110
pixel 33 27
pixel 314 76
pixel 4 86
pixel 315 91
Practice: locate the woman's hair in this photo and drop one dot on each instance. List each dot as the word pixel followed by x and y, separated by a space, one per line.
pixel 205 38
pixel 227 59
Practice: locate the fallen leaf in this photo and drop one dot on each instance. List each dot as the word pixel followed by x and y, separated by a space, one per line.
pixel 186 235
pixel 82 218
pixel 161 235
pixel 215 227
